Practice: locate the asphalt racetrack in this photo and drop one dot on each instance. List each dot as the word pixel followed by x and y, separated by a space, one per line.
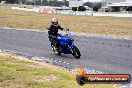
pixel 103 54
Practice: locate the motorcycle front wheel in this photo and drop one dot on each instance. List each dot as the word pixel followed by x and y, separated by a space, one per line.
pixel 76 52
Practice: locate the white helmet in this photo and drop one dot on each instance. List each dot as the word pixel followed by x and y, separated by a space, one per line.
pixel 54 21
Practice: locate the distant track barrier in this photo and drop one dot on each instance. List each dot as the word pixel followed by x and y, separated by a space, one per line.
pixel 87 13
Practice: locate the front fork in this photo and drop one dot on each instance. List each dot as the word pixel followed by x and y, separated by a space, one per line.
pixel 71 47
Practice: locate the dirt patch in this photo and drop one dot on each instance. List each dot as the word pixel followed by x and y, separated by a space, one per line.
pixel 46 78
pixel 13 85
pixel 11 62
pixel 44 64
pixel 4 54
pixel 35 65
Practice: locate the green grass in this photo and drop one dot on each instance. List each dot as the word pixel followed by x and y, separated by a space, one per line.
pixel 16 73
pixel 85 24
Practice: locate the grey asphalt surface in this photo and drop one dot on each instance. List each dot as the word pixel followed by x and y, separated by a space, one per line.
pixel 106 55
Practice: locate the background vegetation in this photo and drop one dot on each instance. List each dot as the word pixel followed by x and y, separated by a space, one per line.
pixel 84 24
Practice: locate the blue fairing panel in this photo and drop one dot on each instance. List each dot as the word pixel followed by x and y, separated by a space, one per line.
pixel 63 39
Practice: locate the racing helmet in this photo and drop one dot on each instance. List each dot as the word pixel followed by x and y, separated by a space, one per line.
pixel 54 21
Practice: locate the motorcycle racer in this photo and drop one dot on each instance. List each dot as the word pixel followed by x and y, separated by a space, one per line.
pixel 53 31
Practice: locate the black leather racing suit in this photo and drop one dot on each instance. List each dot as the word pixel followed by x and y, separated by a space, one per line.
pixel 53 31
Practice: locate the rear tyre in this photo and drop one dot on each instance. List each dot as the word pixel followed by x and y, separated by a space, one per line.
pixel 56 50
pixel 76 52
pixel 53 47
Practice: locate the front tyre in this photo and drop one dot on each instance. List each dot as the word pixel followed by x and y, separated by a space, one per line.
pixel 76 52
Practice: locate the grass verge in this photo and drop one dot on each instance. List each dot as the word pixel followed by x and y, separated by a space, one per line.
pixel 22 73
pixel 85 24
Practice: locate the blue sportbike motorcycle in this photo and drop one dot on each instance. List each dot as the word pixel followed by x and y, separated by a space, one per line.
pixel 65 42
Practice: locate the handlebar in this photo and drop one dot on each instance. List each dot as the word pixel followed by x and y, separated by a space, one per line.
pixel 66 29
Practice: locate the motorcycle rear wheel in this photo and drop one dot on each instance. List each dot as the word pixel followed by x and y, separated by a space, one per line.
pixel 56 50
